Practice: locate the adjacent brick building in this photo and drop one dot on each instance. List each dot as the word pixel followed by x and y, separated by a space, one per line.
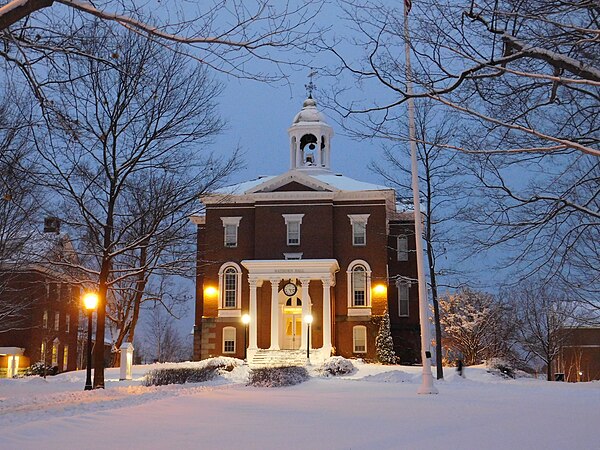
pixel 308 242
pixel 44 323
pixel 579 357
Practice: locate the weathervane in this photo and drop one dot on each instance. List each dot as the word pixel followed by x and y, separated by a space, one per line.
pixel 310 87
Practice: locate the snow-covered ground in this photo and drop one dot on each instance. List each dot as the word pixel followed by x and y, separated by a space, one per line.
pixel 374 408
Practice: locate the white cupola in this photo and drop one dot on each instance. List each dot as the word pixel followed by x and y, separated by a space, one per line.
pixel 310 139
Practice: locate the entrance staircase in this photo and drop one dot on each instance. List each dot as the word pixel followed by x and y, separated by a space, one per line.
pixel 277 358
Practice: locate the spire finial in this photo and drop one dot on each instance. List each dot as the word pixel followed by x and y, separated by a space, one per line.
pixel 310 87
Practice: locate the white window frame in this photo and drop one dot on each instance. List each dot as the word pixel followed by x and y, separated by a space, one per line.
pixel 229 311
pixel 228 334
pixel 56 320
pixel 293 256
pixel 403 297
pixel 402 248
pixel 363 310
pixel 359 332
pixel 359 229
pixel 55 352
pixel 230 231
pixel 293 238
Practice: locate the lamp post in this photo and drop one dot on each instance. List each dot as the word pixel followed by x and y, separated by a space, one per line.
pixel 246 321
pixel 90 301
pixel 308 319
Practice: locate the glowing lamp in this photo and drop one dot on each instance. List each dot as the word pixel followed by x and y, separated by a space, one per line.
pixel 246 319
pixel 210 291
pixel 90 300
pixel 308 319
pixel 380 289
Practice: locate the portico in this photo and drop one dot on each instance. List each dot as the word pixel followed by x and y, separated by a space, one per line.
pixel 287 309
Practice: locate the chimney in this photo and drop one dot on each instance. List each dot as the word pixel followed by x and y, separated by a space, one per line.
pixel 52 225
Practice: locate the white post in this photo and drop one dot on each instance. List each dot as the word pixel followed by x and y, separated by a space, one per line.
pixel 305 310
pixel 126 361
pixel 326 317
pixel 427 386
pixel 274 314
pixel 253 346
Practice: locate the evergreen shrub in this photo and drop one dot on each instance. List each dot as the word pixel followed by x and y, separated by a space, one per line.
pixel 278 376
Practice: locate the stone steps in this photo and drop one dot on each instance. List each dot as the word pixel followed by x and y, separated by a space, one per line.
pixel 277 358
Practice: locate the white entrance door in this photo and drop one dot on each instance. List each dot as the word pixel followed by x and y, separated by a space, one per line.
pixel 292 330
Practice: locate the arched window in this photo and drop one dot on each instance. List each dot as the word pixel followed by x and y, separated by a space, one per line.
pixel 359 339
pixel 230 276
pixel 359 288
pixel 229 340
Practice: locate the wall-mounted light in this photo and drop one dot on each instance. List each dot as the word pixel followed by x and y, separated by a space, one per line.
pixel 210 291
pixel 380 289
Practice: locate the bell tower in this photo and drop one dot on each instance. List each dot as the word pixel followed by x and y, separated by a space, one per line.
pixel 310 138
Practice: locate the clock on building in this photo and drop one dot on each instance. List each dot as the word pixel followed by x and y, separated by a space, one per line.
pixel 290 289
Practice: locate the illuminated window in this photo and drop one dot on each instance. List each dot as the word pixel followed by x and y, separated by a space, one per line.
pixel 293 222
pixel 45 319
pixel 67 323
pixel 65 358
pixel 403 296
pixel 43 352
pixel 56 320
pixel 55 353
pixel 359 339
pixel 402 248
pixel 230 227
pixel 230 289
pixel 229 340
pixel 359 228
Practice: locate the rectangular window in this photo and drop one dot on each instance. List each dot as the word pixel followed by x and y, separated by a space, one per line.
pixel 293 222
pixel 65 358
pixel 403 291
pixel 402 248
pixel 45 319
pixel 56 320
pixel 359 233
pixel 359 286
pixel 43 352
pixel 359 334
pixel 67 323
pixel 228 340
pixel 55 354
pixel 230 230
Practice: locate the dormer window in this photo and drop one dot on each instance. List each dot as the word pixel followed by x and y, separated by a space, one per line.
pixel 359 229
pixel 293 222
pixel 230 230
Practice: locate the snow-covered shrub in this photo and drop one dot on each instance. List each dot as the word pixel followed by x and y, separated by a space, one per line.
pixel 277 376
pixel 500 367
pixel 206 371
pixel 336 365
pixel 39 368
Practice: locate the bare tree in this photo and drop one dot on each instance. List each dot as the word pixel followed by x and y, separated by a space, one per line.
pixel 440 178
pixel 475 326
pixel 162 341
pixel 545 319
pixel 134 128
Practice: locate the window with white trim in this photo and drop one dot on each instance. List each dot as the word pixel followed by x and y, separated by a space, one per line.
pixel 359 339
pixel 230 230
pixel 67 323
pixel 402 248
pixel 229 340
pixel 45 319
pixel 230 277
pixel 56 320
pixel 403 297
pixel 359 288
pixel 359 229
pixel 293 222
pixel 55 353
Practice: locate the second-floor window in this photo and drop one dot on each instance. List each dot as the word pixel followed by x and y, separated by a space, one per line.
pixel 293 222
pixel 45 319
pixel 402 248
pixel 56 320
pixel 359 229
pixel 230 230
pixel 67 323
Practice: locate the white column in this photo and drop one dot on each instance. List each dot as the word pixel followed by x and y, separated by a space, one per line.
pixel 305 310
pixel 318 152
pixel 252 331
pixel 326 315
pixel 274 314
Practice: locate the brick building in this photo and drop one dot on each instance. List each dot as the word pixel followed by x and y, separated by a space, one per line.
pixel 579 357
pixel 44 322
pixel 309 242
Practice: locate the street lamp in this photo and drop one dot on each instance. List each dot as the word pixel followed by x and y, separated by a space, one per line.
pixel 245 321
pixel 90 301
pixel 308 319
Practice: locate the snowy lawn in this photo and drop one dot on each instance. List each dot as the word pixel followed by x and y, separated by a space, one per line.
pixel 374 408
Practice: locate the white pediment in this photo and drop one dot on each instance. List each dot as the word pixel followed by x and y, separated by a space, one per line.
pixel 293 176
